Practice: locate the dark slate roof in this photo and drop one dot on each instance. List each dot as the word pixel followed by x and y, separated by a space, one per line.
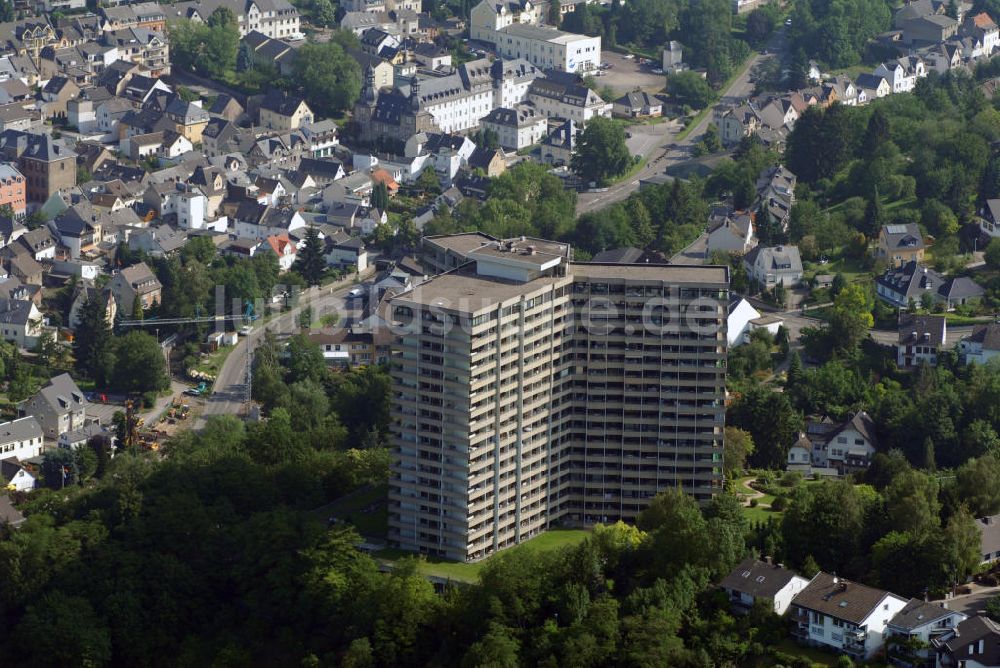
pixel 921 324
pixel 903 236
pixel 917 613
pixel 757 578
pixel 221 102
pixel 840 599
pixel 971 632
pixel 987 335
pixel 960 287
pixel 280 103
pixel 911 280
pixel 861 423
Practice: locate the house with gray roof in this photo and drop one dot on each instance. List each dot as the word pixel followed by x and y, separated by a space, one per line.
pixel 912 281
pixel 21 439
pixel 974 643
pixel 637 104
pixel 774 265
pixel 919 621
pixel 921 338
pixel 754 580
pixel 846 617
pixel 982 345
pixel 58 407
pixel 899 244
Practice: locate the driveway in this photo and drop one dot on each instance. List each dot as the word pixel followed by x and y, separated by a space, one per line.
pixel 974 603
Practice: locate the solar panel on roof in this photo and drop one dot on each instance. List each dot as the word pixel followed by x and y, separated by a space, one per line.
pixel 895 229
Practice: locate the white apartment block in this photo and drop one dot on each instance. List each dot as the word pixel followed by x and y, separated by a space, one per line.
pixel 549 48
pixel 529 390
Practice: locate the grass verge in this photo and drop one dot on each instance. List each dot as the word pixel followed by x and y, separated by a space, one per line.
pixel 553 539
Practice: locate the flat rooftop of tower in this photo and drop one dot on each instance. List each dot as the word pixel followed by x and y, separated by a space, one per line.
pixel 667 273
pixel 465 291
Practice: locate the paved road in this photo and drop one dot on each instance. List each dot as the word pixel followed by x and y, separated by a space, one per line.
pixel 662 156
pixel 230 386
pixel 972 604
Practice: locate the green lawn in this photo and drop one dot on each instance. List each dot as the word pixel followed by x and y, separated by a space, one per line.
pixel 365 509
pixel 818 658
pixel 553 539
pixel 851 268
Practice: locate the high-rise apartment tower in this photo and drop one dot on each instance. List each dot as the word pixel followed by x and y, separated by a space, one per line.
pixel 529 389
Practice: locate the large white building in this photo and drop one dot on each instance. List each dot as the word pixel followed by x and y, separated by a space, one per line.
pixel 459 99
pixel 549 48
pixel 515 31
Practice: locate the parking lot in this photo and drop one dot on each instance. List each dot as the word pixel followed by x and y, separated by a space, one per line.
pixel 626 75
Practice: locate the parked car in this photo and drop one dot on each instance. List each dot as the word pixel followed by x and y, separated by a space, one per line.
pixel 657 70
pixel 629 56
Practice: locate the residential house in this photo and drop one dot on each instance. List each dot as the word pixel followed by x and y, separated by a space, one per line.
pixel 729 231
pixel 47 165
pixel 24 268
pixel 923 622
pixel 736 122
pixel 902 74
pixel 834 448
pixel 258 221
pixel 982 27
pixel 346 252
pixel 73 440
pixel 38 243
pixel 78 228
pixel 574 101
pixel 353 346
pixel 899 244
pixel 754 580
pixel 490 161
pixel 227 108
pixel 21 439
pixel 743 319
pixel 283 248
pixel 56 94
pixel 637 104
pixel 913 282
pixel 516 128
pixel 776 265
pixel 135 282
pixel 921 339
pixel 15 477
pixel 13 191
pixel 846 617
pixel 989 538
pixel 873 85
pixel 982 345
pixel 58 407
pixel 974 643
pixel 776 195
pixel 280 111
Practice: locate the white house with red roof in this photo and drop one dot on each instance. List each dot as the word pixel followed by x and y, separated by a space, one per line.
pixel 283 247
